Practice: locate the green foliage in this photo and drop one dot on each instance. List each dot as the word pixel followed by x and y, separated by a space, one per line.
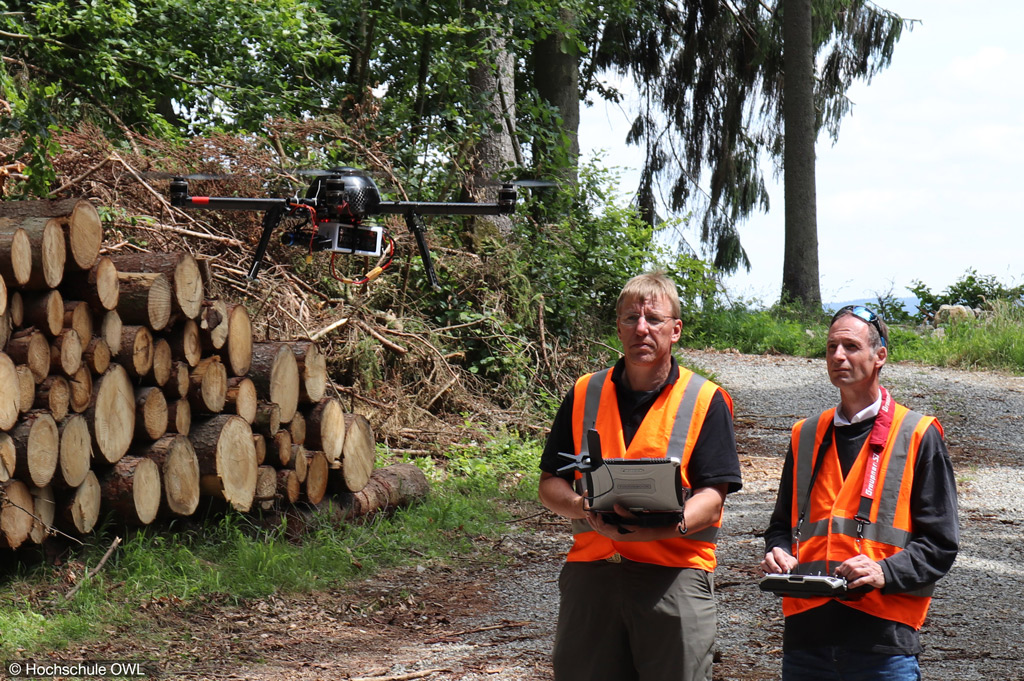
pixel 971 289
pixel 995 341
pixel 779 330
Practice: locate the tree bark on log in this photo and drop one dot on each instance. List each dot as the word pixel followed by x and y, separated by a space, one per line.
pixel 325 428
pixel 208 386
pixel 75 450
pixel 179 416
pixel 288 486
pixel 112 414
pixel 30 347
pixel 79 220
pixel 151 413
pixel 80 513
pixel 181 271
pixel 312 365
pixel 78 316
pixel 81 389
pixel 213 325
pixel 316 477
pixel 279 449
pixel 131 488
pixel 16 507
pixel 266 487
pixel 357 453
pixel 260 443
pixel 15 254
pixel 179 472
pixel 136 350
pixel 16 308
pixel 276 375
pixel 66 352
pixel 242 398
pixel 48 251
pixel 268 419
pixel 111 330
pixel 185 343
pixel 8 457
pixel 145 298
pixel 44 509
pixel 224 447
pixel 96 356
pixel 37 448
pixel 391 487
pixel 53 395
pixel 237 350
pixel 44 310
pixel 99 286
pixel 10 392
pixel 297 428
pixel 178 384
pixel 160 372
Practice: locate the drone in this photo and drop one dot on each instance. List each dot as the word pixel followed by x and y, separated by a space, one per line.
pixel 333 216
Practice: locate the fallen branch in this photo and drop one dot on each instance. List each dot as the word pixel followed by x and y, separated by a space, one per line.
pixel 504 625
pixel 400 677
pixel 92 573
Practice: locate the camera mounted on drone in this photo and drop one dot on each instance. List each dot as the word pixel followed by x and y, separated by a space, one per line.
pixel 334 213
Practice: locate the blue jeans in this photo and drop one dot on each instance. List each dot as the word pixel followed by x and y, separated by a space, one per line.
pixel 831 663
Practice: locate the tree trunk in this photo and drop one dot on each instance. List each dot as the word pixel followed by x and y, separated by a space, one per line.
pixel 44 509
pixel 45 311
pixel 80 513
pixel 316 477
pixel 179 416
pixel 37 448
pixel 800 277
pixel 276 375
pixel 26 388
pixel 557 78
pixel 66 352
pixel 242 398
pixel 352 470
pixel 179 472
pixel 111 330
pixel 131 488
pixel 81 389
pixel 8 457
pixel 225 450
pixel 10 392
pixel 112 414
pixel 266 487
pixel 288 486
pixel 268 419
pixel 136 350
pixel 79 220
pixel 160 372
pixel 30 348
pixel 178 385
pixel 145 298
pixel 237 349
pixel 53 395
pixel 181 271
pixel 46 239
pixel 279 449
pixel 99 286
pixel 185 343
pixel 297 428
pixel 388 488
pixel 208 386
pixel 15 254
pixel 151 413
pixel 325 428
pixel 213 325
pixel 96 356
pixel 78 316
pixel 312 365
pixel 75 450
pixel 15 513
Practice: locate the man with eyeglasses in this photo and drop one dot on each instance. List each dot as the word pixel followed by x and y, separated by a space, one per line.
pixel 867 494
pixel 637 602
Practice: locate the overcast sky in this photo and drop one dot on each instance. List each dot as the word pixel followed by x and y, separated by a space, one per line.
pixel 927 178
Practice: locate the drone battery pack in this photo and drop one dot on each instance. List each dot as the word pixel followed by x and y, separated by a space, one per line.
pixel 803 586
pixel 351 239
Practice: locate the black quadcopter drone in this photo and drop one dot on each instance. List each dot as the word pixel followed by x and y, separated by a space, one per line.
pixel 333 211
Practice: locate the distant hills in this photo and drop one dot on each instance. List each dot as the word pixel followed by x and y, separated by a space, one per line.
pixel 909 304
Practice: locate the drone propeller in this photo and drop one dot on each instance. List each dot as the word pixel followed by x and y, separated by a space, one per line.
pixel 525 182
pixel 162 175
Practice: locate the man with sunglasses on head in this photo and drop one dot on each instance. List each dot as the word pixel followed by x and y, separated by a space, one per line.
pixel 636 601
pixel 867 494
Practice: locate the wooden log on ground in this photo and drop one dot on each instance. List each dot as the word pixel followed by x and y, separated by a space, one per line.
pixel 181 271
pixel 299 462
pixel 260 443
pixel 81 389
pixel 79 316
pixel 185 343
pixel 237 349
pixel 16 506
pixel 112 414
pixel 45 311
pixel 160 372
pixel 297 428
pixel 8 457
pixel 179 416
pixel 111 331
pixel 136 350
pixel 241 397
pixel 288 486
pixel 208 386
pixel 80 513
pixel 391 487
pixel 79 220
pixel 16 306
pixel 48 251
pixel 145 299
pixel 224 447
pixel 213 325
pixel 96 356
pixel 10 392
pixel 43 509
pixel 30 347
pixel 37 448
pixel 325 428
pixel 317 470
pixel 151 413
pixel 75 450
pixel 312 365
pixel 268 419
pixel 178 384
pixel 279 449
pixel 131 488
pixel 98 286
pixel 266 487
pixel 179 472
pixel 66 352
pixel 353 468
pixel 54 396
pixel 15 254
pixel 276 375
pixel 26 388
pixel 6 327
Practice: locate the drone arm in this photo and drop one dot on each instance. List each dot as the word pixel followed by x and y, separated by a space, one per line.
pixel 412 221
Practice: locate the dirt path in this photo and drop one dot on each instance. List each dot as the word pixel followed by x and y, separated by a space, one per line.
pixel 491 620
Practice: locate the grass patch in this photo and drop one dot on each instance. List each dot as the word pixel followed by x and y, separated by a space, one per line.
pixel 233 558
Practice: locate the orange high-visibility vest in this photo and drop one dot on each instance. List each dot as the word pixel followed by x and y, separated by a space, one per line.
pixel 829 532
pixel 670 428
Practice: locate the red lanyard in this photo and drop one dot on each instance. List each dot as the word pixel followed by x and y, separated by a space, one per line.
pixel 876 445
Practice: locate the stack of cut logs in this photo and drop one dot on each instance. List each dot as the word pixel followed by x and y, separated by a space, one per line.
pixel 124 388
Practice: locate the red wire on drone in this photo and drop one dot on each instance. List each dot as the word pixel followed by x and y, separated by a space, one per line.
pixel 372 274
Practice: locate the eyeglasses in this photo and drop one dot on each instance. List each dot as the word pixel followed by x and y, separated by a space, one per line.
pixel 653 321
pixel 864 314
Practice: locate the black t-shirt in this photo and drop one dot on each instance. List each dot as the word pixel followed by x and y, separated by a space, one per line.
pixel 713 461
pixel 928 556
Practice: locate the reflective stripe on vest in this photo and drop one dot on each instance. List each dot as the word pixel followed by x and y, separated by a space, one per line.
pixel 693 550
pixel 827 541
